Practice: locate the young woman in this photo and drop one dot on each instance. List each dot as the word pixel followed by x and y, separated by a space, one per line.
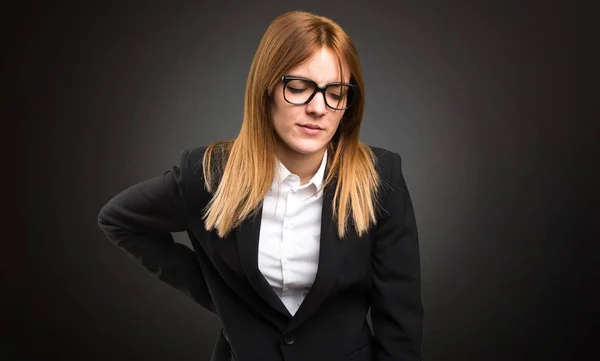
pixel 298 228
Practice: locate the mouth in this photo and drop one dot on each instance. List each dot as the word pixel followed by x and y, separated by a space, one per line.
pixel 310 129
pixel 310 126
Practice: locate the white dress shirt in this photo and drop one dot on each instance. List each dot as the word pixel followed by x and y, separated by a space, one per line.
pixel 290 233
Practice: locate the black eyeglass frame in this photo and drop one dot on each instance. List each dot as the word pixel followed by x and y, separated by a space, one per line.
pixel 318 89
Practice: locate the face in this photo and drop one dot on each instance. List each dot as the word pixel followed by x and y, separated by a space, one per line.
pixel 307 129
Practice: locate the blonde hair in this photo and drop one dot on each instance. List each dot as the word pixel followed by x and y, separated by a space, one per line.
pixel 239 172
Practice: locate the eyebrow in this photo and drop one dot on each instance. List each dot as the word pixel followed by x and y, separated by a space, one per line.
pixel 307 78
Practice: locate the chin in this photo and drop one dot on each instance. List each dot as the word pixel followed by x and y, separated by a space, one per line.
pixel 307 148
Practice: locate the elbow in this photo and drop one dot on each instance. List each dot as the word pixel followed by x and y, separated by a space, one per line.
pixel 107 224
pixel 103 217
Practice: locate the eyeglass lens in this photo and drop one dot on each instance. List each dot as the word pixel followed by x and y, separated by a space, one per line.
pixel 298 91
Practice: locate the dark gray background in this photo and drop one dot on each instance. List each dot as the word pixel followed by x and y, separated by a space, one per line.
pixel 484 103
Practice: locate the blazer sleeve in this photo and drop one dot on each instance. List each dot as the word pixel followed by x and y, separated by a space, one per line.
pixel 139 220
pixel 396 309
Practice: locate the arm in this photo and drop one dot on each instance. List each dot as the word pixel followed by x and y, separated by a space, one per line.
pixel 397 311
pixel 139 220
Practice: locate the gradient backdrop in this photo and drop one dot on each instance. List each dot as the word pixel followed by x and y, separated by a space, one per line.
pixel 479 99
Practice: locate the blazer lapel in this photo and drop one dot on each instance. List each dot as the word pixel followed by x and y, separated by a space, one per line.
pixel 332 252
pixel 331 257
pixel 247 240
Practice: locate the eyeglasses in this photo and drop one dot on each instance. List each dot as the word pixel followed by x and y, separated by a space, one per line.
pixel 299 91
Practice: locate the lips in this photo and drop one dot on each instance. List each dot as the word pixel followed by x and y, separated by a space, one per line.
pixel 310 129
pixel 310 126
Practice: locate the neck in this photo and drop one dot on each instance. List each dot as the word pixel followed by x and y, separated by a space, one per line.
pixel 303 165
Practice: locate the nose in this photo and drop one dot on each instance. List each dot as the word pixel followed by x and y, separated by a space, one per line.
pixel 317 105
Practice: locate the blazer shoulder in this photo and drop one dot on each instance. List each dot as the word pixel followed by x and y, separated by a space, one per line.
pixel 191 160
pixel 387 162
pixel 192 163
pixel 192 177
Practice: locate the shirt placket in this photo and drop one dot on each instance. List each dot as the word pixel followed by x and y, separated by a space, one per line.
pixel 288 230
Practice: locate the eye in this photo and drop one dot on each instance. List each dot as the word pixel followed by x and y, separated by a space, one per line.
pixel 337 92
pixel 295 90
pixel 299 86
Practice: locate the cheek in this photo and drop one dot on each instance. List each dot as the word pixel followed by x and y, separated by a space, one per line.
pixel 284 116
pixel 335 123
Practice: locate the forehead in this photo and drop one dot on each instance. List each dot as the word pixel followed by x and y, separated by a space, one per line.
pixel 322 67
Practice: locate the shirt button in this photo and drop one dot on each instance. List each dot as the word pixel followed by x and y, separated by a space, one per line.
pixel 288 339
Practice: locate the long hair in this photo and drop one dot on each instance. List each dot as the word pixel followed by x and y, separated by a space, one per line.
pixel 239 172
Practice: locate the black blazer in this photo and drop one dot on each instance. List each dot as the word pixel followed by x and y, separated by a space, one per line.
pixel 380 271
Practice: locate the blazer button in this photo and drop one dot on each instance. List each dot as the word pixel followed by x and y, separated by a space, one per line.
pixel 288 339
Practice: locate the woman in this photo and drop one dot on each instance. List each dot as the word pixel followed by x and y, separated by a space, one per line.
pixel 298 228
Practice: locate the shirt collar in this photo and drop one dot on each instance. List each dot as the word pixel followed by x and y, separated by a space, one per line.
pixel 317 179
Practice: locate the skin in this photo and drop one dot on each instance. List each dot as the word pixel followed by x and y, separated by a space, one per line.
pixel 300 152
